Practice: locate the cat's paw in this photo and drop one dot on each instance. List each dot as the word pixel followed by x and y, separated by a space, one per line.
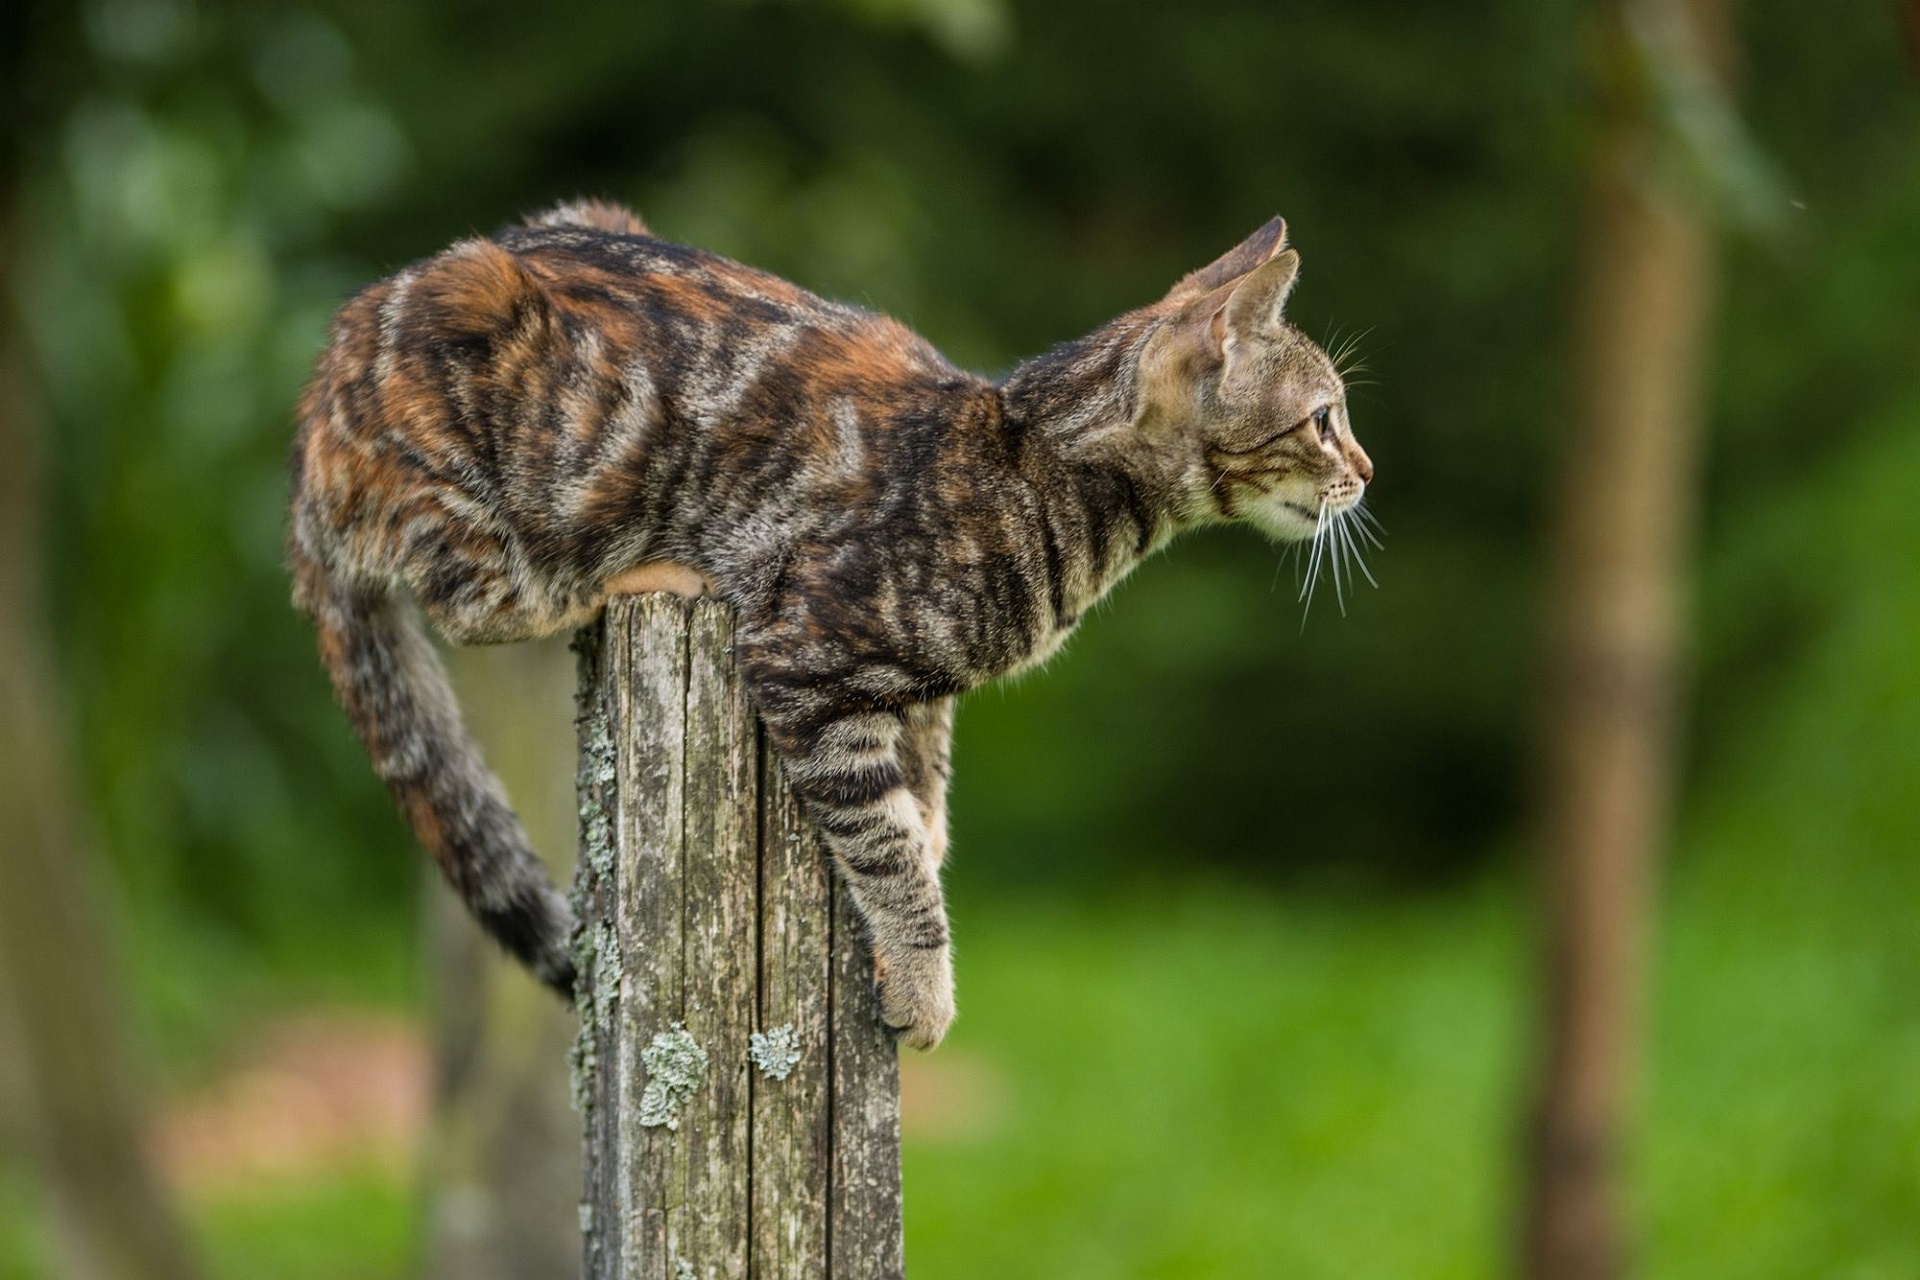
pixel 916 993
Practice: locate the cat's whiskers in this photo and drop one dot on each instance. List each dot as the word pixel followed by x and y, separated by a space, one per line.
pixel 1290 552
pixel 1337 552
pixel 1345 355
pixel 1352 531
pixel 1315 556
pixel 1338 545
pixel 1368 526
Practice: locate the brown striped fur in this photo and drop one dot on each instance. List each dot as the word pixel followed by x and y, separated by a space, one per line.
pixel 508 432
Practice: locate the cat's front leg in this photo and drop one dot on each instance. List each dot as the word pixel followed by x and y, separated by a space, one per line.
pixel 928 755
pixel 851 770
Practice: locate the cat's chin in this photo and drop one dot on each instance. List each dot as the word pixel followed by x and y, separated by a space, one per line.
pixel 1284 521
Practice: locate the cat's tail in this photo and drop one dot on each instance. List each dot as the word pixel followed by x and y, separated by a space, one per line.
pixel 402 708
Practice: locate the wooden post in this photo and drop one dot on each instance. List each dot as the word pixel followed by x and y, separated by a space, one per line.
pixel 740 1095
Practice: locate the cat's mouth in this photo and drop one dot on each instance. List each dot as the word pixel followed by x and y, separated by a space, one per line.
pixel 1330 506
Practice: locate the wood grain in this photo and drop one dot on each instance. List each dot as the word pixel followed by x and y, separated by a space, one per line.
pixel 706 904
pixel 791 1117
pixel 864 1204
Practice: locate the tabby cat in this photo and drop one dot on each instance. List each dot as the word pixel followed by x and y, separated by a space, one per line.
pixel 511 432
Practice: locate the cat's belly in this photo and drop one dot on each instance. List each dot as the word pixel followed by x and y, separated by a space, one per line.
pixel 1048 645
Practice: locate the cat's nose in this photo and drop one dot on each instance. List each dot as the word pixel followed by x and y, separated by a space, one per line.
pixel 1361 463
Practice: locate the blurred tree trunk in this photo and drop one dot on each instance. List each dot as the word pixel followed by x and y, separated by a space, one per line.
pixel 504 1163
pixel 82 1117
pixel 1615 617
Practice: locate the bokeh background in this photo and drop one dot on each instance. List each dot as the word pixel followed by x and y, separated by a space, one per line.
pixel 1245 902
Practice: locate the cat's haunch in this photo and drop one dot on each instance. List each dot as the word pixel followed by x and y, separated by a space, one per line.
pixel 511 430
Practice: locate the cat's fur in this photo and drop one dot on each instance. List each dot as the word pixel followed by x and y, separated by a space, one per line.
pixel 513 430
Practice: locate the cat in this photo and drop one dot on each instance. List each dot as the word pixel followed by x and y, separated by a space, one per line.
pixel 512 431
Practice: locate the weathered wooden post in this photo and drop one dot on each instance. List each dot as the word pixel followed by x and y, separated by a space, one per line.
pixel 741 1096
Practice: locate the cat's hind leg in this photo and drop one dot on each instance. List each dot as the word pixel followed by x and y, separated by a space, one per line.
pixel 476 590
pixel 476 587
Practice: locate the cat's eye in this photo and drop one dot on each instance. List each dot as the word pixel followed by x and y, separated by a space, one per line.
pixel 1323 423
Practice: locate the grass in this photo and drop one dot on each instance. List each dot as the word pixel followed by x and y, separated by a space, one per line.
pixel 1238 1085
pixel 356 1226
pixel 1227 1083
pixel 1229 1086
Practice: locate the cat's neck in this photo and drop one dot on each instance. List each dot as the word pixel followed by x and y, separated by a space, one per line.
pixel 1081 391
pixel 1076 410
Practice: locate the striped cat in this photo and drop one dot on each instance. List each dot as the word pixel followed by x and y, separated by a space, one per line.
pixel 512 431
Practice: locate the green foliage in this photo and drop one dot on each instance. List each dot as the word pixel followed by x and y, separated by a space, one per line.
pixel 220 177
pixel 179 281
pixel 212 179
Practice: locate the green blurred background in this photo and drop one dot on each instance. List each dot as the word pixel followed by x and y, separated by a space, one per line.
pixel 1243 904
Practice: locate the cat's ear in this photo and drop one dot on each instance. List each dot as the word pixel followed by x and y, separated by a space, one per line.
pixel 1234 263
pixel 1257 303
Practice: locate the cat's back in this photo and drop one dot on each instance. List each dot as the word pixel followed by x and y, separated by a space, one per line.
pixel 595 365
pixel 534 310
pixel 595 274
pixel 681 308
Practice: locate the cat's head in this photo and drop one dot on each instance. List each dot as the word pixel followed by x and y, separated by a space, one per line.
pixel 1253 409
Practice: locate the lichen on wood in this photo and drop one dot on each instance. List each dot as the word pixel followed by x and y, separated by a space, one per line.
pixel 775 1052
pixel 676 1064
